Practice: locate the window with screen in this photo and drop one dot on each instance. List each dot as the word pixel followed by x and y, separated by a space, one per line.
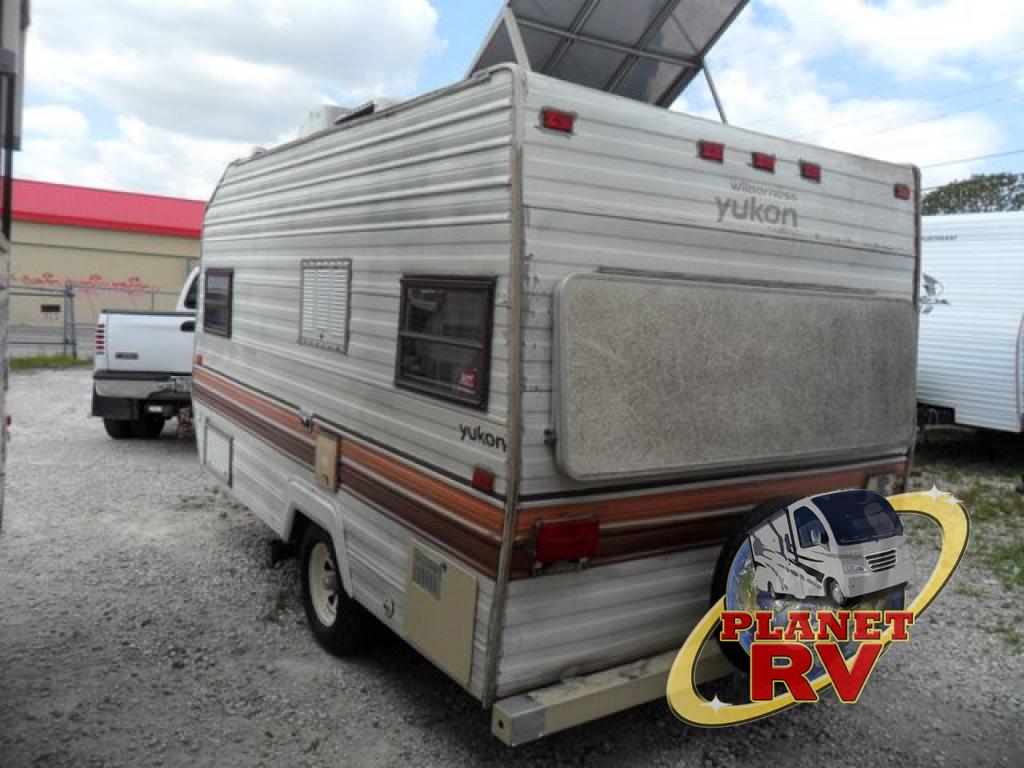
pixel 444 340
pixel 326 291
pixel 217 295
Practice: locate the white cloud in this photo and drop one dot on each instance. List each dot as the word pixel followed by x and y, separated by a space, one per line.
pixel 908 37
pixel 174 84
pixel 769 69
pixel 60 147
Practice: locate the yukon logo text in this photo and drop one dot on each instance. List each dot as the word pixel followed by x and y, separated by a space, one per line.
pixel 750 209
pixel 477 435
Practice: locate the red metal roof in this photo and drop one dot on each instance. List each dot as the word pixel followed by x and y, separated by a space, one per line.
pixel 43 203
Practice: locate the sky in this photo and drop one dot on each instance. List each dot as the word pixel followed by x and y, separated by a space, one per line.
pixel 158 96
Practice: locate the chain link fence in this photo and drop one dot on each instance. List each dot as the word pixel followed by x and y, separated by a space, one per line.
pixel 54 320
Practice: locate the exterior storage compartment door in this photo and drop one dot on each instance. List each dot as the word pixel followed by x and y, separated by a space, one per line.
pixel 659 377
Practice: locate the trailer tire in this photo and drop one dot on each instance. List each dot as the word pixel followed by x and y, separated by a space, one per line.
pixel 117 429
pixel 148 427
pixel 720 582
pixel 340 625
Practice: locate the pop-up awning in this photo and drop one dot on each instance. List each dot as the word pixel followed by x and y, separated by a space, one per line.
pixel 649 50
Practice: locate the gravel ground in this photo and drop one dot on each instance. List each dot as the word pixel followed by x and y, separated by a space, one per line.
pixel 141 624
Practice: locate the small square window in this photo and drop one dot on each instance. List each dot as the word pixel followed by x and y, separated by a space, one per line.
pixel 444 338
pixel 218 294
pixel 326 296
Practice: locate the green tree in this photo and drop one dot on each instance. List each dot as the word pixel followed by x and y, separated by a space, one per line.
pixel 978 194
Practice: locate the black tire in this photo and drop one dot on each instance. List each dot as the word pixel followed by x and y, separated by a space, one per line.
pixel 353 628
pixel 148 427
pixel 119 430
pixel 835 593
pixel 719 583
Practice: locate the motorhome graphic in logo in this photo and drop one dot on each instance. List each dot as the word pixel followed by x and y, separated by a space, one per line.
pixel 815 592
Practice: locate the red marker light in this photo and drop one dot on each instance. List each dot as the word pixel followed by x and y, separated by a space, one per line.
pixel 557 120
pixel 764 162
pixel 710 150
pixel 483 480
pixel 903 192
pixel 567 541
pixel 810 171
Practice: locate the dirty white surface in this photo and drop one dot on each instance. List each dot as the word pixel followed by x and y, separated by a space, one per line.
pixel 140 624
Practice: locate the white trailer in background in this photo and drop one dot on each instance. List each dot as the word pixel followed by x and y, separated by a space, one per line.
pixel 970 367
pixel 511 361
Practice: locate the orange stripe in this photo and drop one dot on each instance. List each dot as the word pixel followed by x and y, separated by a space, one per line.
pixel 644 525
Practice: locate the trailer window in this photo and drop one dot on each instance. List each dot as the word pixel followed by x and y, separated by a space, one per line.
pixel 444 339
pixel 217 296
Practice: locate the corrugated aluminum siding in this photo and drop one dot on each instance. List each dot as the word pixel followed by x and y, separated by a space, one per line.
pixel 423 190
pixel 970 352
pixel 628 191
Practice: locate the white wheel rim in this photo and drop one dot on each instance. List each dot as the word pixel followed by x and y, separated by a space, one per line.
pixel 323 584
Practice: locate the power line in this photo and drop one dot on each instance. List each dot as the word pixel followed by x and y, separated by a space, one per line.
pixel 890 86
pixel 955 94
pixel 944 116
pixel 972 159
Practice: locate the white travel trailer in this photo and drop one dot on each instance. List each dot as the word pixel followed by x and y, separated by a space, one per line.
pixel 509 362
pixel 839 545
pixel 972 332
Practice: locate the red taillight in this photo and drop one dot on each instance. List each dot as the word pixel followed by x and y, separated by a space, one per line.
pixel 904 192
pixel 810 171
pixel 101 339
pixel 483 480
pixel 764 162
pixel 710 150
pixel 557 120
pixel 566 541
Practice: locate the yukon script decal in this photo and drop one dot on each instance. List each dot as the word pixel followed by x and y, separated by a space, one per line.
pixel 477 435
pixel 751 209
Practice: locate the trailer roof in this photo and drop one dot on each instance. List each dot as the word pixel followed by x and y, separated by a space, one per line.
pixel 648 50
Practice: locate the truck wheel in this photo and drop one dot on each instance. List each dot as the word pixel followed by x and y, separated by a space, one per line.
pixel 340 625
pixel 148 427
pixel 119 430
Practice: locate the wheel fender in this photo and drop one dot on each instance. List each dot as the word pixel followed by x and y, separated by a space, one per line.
pixel 307 500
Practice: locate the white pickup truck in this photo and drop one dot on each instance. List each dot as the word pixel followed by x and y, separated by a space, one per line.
pixel 143 370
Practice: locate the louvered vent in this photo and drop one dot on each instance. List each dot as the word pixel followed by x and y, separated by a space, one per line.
pixel 326 293
pixel 427 574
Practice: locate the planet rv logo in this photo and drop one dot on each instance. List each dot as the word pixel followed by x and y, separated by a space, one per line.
pixel 796 632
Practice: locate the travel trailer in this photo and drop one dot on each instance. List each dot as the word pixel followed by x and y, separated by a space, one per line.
pixel 838 545
pixel 972 330
pixel 509 362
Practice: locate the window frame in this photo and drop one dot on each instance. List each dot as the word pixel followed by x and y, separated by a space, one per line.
pixel 230 275
pixel 484 344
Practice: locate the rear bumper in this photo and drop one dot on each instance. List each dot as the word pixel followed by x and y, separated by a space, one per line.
pixel 126 397
pixel 531 716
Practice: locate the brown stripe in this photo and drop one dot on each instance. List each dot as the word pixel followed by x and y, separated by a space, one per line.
pixel 632 528
pixel 300 448
pixel 476 550
pixel 643 509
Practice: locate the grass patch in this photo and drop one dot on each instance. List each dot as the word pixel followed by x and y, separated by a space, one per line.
pixel 985 503
pixel 1007 562
pixel 1012 636
pixel 40 362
